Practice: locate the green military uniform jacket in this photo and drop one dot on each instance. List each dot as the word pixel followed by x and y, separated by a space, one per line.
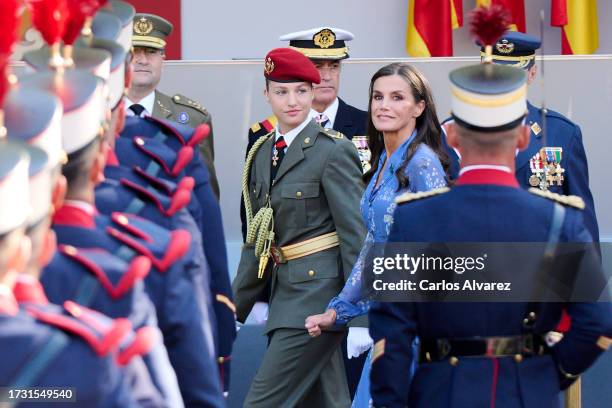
pixel 317 190
pixel 184 110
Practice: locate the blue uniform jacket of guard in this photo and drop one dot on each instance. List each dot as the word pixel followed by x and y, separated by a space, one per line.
pixel 480 213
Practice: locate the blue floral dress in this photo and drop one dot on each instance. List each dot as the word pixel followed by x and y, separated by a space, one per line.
pixel 424 173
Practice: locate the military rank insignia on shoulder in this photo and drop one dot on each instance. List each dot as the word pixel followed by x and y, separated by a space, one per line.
pixel 183 100
pixel 256 127
pixel 570 200
pixel 407 197
pixel 333 133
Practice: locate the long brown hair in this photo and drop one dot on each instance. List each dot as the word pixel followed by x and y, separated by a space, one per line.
pixel 428 127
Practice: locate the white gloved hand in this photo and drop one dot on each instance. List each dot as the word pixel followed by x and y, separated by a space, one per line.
pixel 358 341
pixel 259 313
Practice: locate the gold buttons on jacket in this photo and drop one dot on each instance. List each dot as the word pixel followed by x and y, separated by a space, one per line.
pixel 298 194
pixel 518 358
pixel 453 361
pixel 307 140
pixel 311 273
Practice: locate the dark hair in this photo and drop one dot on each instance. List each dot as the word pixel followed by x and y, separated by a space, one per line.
pixel 428 127
pixel 78 167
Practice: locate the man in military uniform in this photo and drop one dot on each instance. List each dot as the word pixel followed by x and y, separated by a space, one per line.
pixel 303 239
pixel 149 40
pixel 555 159
pixel 499 354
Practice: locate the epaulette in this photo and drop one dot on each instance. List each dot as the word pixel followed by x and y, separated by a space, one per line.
pixel 102 333
pixel 268 124
pixel 168 206
pixel 183 100
pixel 166 186
pixel 407 197
pixel 334 134
pixel 137 344
pixel 115 276
pixel 156 151
pixel 570 200
pixel 162 247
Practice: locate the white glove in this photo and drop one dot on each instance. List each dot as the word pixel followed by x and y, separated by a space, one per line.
pixel 259 313
pixel 358 341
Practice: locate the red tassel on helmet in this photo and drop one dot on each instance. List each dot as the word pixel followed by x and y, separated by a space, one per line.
pixel 9 21
pixel 79 11
pixel 487 25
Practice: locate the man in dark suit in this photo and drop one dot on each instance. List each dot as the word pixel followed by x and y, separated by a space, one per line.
pixel 326 47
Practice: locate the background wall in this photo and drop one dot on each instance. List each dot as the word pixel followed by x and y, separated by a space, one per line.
pixel 245 29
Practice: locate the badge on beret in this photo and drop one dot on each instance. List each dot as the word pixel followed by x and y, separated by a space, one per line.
pixel 268 66
pixel 324 38
pixel 143 26
pixel 183 117
pixel 504 47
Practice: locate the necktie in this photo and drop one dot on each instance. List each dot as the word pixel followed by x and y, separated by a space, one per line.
pixel 278 153
pixel 137 109
pixel 322 120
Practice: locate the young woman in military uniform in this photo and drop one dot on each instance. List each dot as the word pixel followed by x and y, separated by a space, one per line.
pixel 302 186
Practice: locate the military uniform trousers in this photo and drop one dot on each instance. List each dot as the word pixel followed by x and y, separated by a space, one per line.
pixel 300 371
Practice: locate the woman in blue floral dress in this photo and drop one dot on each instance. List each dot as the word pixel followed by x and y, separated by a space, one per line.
pixel 404 136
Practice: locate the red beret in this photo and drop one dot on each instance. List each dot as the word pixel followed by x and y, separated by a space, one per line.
pixel 289 65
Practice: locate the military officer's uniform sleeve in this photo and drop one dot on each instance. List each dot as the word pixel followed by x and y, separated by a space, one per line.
pixel 192 113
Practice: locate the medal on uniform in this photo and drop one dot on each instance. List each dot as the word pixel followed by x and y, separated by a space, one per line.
pixel 537 171
pixel 546 168
pixel 365 155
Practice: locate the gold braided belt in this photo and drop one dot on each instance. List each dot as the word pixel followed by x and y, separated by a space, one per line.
pixel 301 249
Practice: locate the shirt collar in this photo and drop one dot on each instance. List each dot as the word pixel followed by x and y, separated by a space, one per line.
pixel 331 112
pixel 485 166
pixel 487 174
pixel 292 134
pixel 29 290
pixel 147 102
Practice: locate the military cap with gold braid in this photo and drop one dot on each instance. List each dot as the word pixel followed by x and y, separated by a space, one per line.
pixel 150 31
pixel 322 43
pixel 488 97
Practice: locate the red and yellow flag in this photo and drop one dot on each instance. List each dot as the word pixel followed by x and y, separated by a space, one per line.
pixel 578 22
pixel 516 8
pixel 430 27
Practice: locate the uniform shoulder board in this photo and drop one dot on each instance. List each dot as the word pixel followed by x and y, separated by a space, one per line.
pixel 334 134
pixel 183 100
pixel 102 333
pixel 162 247
pixel 407 197
pixel 115 276
pixel 570 200
pixel 255 127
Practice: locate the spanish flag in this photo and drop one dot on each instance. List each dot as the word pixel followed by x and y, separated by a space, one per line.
pixel 430 27
pixel 516 9
pixel 578 22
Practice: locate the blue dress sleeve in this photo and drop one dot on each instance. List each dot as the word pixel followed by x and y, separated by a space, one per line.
pixel 425 171
pixel 349 303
